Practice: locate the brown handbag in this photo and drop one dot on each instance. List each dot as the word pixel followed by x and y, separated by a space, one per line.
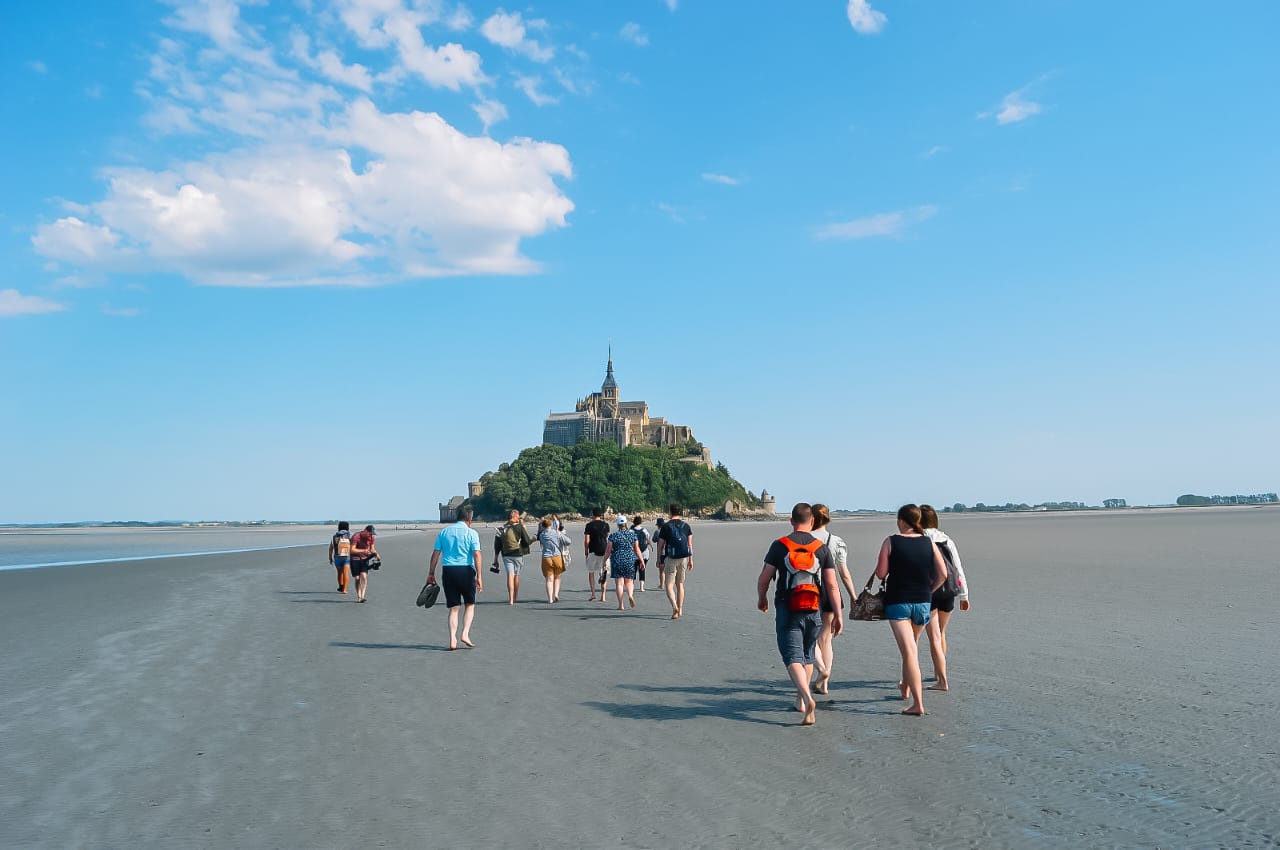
pixel 868 606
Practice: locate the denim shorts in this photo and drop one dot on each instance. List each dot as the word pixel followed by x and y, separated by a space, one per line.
pixel 916 612
pixel 797 633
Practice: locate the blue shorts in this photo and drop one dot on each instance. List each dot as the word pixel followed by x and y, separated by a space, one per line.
pixel 916 612
pixel 797 634
pixel 341 562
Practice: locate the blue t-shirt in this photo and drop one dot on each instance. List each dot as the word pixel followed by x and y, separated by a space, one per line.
pixel 457 545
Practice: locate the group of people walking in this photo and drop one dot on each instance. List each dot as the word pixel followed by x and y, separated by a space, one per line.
pixel 919 568
pixel 921 577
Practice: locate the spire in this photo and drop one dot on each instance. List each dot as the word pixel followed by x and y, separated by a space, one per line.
pixel 610 383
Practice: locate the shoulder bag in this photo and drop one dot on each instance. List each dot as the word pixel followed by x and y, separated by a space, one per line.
pixel 868 606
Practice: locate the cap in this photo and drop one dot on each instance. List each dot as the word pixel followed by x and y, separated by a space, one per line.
pixel 369 528
pixel 622 520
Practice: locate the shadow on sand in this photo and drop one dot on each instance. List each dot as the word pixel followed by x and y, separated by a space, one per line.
pixel 424 647
pixel 738 699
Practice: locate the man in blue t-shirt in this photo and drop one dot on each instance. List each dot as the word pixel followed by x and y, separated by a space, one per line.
pixel 675 541
pixel 458 552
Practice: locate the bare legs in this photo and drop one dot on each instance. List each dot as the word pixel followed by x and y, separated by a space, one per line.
pixel 675 595
pixel 907 635
pixel 362 585
pixel 624 586
pixel 513 588
pixel 800 675
pixel 824 655
pixel 553 588
pixel 937 631
pixel 344 575
pixel 468 615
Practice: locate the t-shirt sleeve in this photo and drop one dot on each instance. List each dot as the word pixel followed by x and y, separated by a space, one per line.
pixel 439 547
pixel 825 558
pixel 776 556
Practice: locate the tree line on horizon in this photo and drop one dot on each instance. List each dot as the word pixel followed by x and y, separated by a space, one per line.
pixel 551 479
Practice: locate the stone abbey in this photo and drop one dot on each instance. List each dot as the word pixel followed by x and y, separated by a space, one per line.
pixel 601 417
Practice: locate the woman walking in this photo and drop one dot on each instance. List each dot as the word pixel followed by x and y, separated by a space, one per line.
pixel 823 652
pixel 554 544
pixel 944 598
pixel 622 553
pixel 642 537
pixel 913 569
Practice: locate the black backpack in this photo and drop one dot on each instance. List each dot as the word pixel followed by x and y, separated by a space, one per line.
pixel 951 586
pixel 642 537
pixel 677 540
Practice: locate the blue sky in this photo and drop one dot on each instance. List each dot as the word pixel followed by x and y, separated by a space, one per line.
pixel 296 260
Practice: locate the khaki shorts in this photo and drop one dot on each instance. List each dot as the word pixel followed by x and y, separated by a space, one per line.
pixel 675 568
pixel 553 566
pixel 596 563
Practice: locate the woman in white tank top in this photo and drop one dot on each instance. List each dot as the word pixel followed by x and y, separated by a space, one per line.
pixel 823 652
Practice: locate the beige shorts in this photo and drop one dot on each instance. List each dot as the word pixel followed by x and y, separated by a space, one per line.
pixel 675 568
pixel 553 566
pixel 596 564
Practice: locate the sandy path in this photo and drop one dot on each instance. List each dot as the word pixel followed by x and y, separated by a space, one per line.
pixel 237 701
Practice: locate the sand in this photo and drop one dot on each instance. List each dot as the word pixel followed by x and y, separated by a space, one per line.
pixel 1114 686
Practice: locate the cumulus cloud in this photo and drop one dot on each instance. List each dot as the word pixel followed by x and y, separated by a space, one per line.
pixel 632 32
pixel 864 19
pixel 14 303
pixel 532 88
pixel 509 30
pixel 723 179
pixel 306 185
pixel 889 224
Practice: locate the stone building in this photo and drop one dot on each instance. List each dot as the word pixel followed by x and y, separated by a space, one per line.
pixel 603 417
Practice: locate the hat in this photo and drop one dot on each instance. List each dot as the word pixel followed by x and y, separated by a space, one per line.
pixel 622 520
pixel 369 528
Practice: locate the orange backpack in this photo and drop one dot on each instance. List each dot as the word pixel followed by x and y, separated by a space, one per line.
pixel 803 572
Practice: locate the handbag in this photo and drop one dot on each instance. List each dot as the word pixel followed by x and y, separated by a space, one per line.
pixel 868 606
pixel 428 595
pixel 375 563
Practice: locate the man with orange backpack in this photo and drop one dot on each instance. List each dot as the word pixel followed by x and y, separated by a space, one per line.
pixel 805 570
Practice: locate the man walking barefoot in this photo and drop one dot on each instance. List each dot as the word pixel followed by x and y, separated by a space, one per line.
pixel 675 540
pixel 594 540
pixel 806 571
pixel 458 548
pixel 513 544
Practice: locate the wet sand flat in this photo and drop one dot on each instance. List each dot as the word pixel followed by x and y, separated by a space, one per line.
pixel 1114 686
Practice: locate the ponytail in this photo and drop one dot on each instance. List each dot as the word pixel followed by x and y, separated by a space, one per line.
pixel 910 515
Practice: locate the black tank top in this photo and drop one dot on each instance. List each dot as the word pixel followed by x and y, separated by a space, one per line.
pixel 910 570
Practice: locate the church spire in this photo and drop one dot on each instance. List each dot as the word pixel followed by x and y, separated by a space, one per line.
pixel 610 383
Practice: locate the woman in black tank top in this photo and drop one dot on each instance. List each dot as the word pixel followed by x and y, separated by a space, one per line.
pixel 912 568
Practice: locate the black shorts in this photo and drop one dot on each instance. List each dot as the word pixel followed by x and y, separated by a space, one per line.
pixel 945 602
pixel 359 566
pixel 459 585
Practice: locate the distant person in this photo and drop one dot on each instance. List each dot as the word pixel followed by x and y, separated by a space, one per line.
pixel 512 544
pixel 622 553
pixel 824 655
pixel 676 541
pixel 458 550
pixel 806 575
pixel 913 569
pixel 642 537
pixel 363 548
pixel 340 554
pixel 555 546
pixel 944 598
pixel 657 548
pixel 595 539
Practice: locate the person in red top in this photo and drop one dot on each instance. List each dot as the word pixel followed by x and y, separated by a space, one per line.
pixel 363 547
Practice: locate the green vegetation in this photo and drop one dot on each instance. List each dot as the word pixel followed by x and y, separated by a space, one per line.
pixel 555 479
pixel 1252 499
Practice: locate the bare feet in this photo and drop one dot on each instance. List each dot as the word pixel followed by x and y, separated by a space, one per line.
pixel 620 608
pixel 633 600
pixel 467 641
pixel 905 690
pixel 821 685
pixel 810 713
pixel 675 615
pixel 941 686
pixel 914 711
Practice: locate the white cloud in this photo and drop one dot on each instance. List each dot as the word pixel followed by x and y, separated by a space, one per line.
pixel 490 112
pixel 14 303
pixel 881 224
pixel 864 19
pixel 461 19
pixel 531 86
pixel 72 240
pixel 1015 107
pixel 508 30
pixel 672 4
pixel 305 183
pixel 675 214
pixel 632 32
pixel 722 179
pixel 935 150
